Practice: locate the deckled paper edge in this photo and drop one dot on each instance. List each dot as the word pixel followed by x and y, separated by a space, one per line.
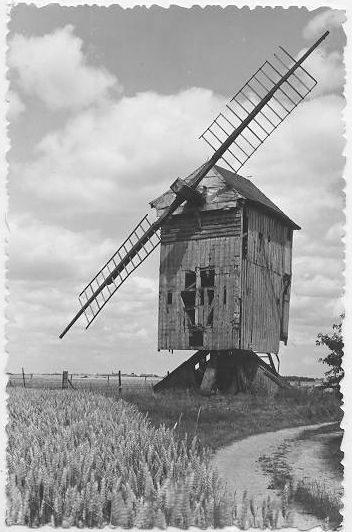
pixel 4 231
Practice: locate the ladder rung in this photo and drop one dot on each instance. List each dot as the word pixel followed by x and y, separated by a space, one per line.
pixel 261 112
pixel 282 118
pixel 300 66
pixel 236 115
pixel 285 66
pixel 260 140
pixel 207 141
pixel 288 83
pixel 239 147
pixel 267 104
pixel 222 129
pixel 235 169
pixel 265 74
pixel 237 93
pixel 281 89
pixel 233 155
pixel 255 120
pixel 228 121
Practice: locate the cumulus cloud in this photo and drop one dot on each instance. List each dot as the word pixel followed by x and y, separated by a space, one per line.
pixel 328 69
pixel 105 160
pixel 54 69
pixel 45 252
pixel 16 106
pixel 329 19
pixel 48 267
pixel 109 160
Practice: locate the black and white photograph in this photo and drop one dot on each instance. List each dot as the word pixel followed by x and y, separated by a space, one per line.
pixel 175 267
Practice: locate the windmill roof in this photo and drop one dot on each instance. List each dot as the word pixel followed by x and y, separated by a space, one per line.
pixel 227 184
pixel 252 193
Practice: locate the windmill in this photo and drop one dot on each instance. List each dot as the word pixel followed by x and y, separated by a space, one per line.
pixel 226 249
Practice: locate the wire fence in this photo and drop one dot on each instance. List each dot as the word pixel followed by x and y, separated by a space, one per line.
pixel 110 383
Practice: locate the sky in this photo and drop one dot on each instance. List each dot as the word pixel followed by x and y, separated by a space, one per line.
pixel 106 107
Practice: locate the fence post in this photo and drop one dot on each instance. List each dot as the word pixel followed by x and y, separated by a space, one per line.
pixel 24 379
pixel 64 380
pixel 108 379
pixel 119 381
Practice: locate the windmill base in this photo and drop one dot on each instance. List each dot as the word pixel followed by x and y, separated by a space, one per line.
pixel 224 371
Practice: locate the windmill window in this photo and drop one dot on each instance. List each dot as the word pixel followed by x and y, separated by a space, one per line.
pixel 190 280
pixel 207 278
pixel 189 298
pixel 210 317
pixel 225 296
pixel 201 297
pixel 169 298
pixel 210 296
pixel 191 314
pixel 196 339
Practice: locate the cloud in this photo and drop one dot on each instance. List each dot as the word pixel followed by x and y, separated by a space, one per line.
pixel 328 69
pixel 54 69
pixel 115 159
pixel 43 252
pixel 329 19
pixel 108 160
pixel 16 106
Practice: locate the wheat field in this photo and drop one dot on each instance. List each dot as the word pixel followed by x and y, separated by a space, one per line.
pixel 76 458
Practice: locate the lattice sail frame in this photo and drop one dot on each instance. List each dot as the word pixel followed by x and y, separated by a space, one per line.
pixel 298 85
pixel 105 272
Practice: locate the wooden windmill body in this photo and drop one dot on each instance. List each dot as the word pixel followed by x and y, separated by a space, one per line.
pixel 225 272
pixel 226 249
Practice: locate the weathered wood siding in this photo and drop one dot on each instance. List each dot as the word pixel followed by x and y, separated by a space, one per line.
pixel 266 266
pixel 189 243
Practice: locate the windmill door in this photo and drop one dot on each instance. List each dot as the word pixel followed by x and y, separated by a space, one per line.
pixel 198 300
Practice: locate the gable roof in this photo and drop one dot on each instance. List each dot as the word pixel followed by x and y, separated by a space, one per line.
pixel 225 186
pixel 252 193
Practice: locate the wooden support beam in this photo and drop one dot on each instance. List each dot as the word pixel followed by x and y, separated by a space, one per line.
pixel 187 193
pixel 272 363
pixel 181 377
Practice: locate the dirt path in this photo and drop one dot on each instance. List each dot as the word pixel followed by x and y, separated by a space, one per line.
pixel 239 464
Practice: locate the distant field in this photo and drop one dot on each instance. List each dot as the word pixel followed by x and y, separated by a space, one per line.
pixel 88 382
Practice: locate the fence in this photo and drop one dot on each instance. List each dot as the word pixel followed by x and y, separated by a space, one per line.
pixel 113 382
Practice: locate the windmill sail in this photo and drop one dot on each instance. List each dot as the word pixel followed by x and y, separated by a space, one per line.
pixel 292 91
pixel 110 283
pixel 270 95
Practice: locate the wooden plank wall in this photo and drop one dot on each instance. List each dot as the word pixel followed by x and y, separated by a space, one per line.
pixel 268 257
pixel 184 247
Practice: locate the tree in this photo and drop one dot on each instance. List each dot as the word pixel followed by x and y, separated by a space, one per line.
pixel 334 343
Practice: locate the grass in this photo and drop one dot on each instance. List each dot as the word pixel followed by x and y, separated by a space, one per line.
pixel 313 496
pixel 276 466
pixel 331 451
pixel 221 419
pixel 316 498
pixel 76 458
